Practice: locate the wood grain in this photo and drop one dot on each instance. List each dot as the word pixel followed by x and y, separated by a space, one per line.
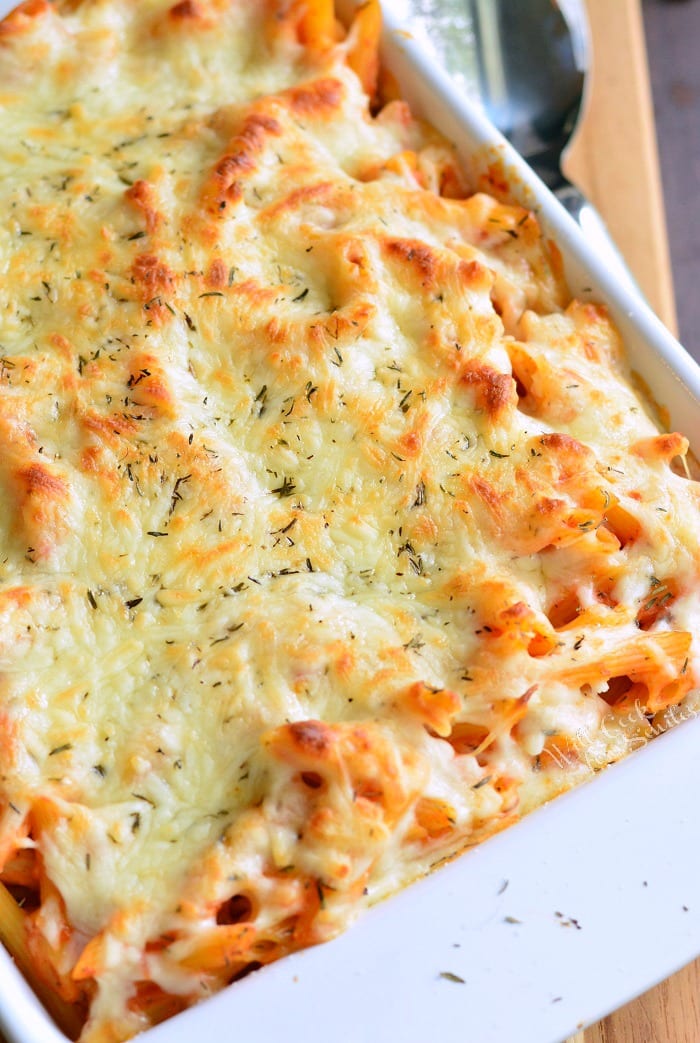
pixel 672 33
pixel 670 1013
pixel 614 157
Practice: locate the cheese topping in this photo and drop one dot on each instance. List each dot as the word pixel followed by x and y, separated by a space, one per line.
pixel 335 535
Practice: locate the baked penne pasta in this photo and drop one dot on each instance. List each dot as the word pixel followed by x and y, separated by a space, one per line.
pixel 335 536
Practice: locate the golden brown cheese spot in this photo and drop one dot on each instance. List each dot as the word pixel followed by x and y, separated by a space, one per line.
pixel 475 275
pixel 312 738
pixel 318 98
pixel 223 186
pixel 404 165
pixel 325 193
pixel 186 11
pixel 24 16
pixel 142 195
pixel 42 498
pixel 360 762
pixel 516 614
pixel 600 340
pixel 490 496
pixel 661 447
pixel 496 181
pixel 91 460
pixel 544 392
pixel 417 256
pixel 453 184
pixel 111 428
pixel 152 276
pixel 411 444
pixel 217 274
pixel 552 500
pixel 548 506
pixel 38 479
pixel 149 387
pixel 493 391
pixel 63 345
pixel 184 17
pixel 568 455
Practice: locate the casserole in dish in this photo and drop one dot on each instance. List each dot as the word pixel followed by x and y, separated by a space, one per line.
pixel 309 491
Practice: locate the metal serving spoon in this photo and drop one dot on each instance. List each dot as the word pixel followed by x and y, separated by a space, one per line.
pixel 532 59
pixel 526 60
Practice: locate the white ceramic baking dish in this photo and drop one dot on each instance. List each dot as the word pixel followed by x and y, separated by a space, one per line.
pixel 563 917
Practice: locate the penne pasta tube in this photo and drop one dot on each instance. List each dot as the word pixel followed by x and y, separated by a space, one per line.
pixel 13 936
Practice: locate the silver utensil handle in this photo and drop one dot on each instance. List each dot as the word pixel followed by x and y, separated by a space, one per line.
pixel 596 232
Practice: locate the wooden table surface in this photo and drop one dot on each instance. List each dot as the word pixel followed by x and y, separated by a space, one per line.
pixel 615 161
pixel 614 157
pixel 672 32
